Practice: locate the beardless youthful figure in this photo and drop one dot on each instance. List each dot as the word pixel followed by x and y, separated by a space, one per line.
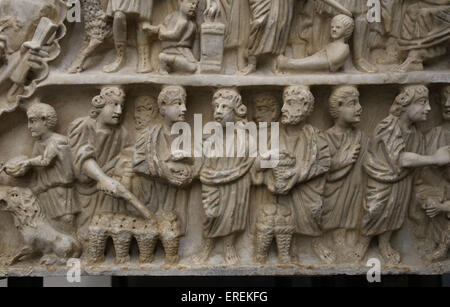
pixel 226 178
pixel 97 142
pixel 177 35
pixel 345 181
pixel 51 164
pixel 332 57
pixel 168 172
pixel 396 151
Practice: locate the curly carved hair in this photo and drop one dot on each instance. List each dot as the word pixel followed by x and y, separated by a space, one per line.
pixel 44 111
pixel 108 94
pixel 348 22
pixel 170 93
pixel 338 97
pixel 408 95
pixel 232 94
pixel 303 91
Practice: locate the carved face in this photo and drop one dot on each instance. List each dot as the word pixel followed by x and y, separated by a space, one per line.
pixel 37 126
pixel 295 109
pixel 266 111
pixel 337 29
pixel 350 111
pixel 111 113
pixel 175 111
pixel 419 109
pixel 189 7
pixel 224 111
pixel 446 106
pixel 145 111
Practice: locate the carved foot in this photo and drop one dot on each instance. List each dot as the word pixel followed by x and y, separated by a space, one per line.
pixel 390 255
pixel 203 255
pixel 324 253
pixel 118 62
pixel 365 66
pixel 438 255
pixel 75 68
pixel 251 68
pixel 231 256
pixel 410 64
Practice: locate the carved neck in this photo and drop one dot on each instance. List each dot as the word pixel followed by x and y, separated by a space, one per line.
pixel 405 123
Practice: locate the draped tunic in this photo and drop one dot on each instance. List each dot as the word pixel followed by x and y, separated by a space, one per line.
pixel 389 187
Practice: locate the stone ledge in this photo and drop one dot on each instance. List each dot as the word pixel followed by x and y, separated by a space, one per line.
pixel 293 270
pixel 86 78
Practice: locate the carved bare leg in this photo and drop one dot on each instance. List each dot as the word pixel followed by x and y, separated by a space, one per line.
pixel 389 254
pixel 165 63
pixel 251 66
pixel 231 255
pixel 85 52
pixel 414 62
pixel 323 252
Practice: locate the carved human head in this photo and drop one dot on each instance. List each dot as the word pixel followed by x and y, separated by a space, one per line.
pixel 412 102
pixel 108 107
pixel 145 111
pixel 228 106
pixel 267 108
pixel 42 118
pixel 344 105
pixel 342 26
pixel 298 104
pixel 189 7
pixel 172 103
pixel 446 103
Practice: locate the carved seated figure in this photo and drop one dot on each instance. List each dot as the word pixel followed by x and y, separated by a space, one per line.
pixel 425 33
pixel 177 35
pixel 332 57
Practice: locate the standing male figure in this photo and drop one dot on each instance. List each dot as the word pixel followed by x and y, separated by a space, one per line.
pixel 97 142
pixel 345 181
pixel 121 10
pixel 437 203
pixel 297 181
pixel 168 173
pixel 226 181
pixel 52 165
pixel 394 154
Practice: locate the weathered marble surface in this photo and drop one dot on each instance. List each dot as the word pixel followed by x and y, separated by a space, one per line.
pixel 383 59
